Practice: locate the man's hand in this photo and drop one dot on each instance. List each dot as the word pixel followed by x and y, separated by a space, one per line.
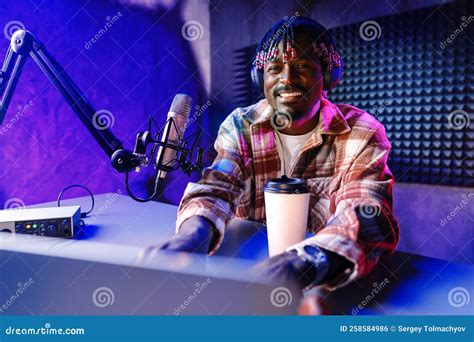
pixel 194 236
pixel 286 268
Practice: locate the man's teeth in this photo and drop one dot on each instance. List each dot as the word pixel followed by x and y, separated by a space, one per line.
pixel 290 94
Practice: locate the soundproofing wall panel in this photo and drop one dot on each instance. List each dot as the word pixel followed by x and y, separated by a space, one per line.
pixel 402 69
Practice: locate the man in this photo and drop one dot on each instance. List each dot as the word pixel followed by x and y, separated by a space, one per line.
pixel 340 150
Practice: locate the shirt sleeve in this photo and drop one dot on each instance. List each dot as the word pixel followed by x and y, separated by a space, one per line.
pixel 221 186
pixel 362 226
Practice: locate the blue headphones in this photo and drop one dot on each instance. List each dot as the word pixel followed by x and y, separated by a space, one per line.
pixel 331 77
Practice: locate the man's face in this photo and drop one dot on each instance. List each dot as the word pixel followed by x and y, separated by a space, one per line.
pixel 294 87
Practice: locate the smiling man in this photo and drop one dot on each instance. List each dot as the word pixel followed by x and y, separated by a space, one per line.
pixel 293 86
pixel 340 150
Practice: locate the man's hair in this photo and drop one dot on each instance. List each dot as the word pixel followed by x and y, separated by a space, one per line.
pixel 285 30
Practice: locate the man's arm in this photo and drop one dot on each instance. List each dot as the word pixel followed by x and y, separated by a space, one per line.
pixel 214 198
pixel 361 228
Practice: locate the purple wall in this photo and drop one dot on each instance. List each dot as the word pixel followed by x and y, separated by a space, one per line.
pixel 133 69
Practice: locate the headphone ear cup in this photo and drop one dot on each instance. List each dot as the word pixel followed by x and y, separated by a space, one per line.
pixel 257 80
pixel 327 80
pixel 332 78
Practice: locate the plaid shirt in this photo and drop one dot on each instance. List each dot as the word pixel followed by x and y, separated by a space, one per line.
pixel 344 162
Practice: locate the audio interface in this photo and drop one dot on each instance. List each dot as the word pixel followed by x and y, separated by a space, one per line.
pixel 54 221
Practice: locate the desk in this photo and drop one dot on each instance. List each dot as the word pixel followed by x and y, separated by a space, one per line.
pixel 112 254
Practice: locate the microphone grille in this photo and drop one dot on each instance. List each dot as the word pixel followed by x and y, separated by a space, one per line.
pixel 182 104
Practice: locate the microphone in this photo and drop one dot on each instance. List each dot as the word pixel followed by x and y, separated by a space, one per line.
pixel 173 133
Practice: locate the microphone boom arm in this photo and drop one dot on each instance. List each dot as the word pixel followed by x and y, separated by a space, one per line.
pixel 23 45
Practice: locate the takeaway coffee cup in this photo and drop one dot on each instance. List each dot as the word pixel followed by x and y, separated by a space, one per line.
pixel 286 209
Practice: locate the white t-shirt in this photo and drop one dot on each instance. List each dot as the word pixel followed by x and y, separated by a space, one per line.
pixel 288 148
